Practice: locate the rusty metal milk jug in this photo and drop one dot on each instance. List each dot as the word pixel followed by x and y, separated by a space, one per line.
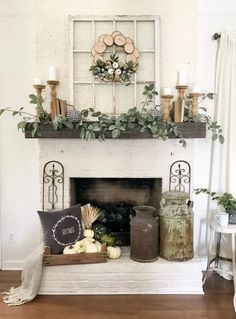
pixel 176 226
pixel 144 234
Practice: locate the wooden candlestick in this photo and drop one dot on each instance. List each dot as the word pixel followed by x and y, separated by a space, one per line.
pixel 166 106
pixel 195 97
pixel 179 104
pixel 39 88
pixel 53 94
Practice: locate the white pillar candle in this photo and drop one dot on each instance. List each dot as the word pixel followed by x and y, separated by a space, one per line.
pixel 182 78
pixel 37 81
pixel 167 91
pixel 52 73
pixel 195 89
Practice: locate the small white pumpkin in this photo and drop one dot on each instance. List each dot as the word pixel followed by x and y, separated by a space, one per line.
pixel 99 246
pixel 69 250
pixel 91 248
pixel 88 240
pixel 88 233
pixel 79 246
pixel 113 252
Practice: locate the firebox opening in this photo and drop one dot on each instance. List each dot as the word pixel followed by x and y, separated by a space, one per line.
pixel 116 198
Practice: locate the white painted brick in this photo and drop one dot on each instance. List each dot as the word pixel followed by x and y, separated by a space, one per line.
pixel 124 276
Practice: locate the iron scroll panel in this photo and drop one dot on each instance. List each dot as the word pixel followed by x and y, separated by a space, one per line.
pixel 53 184
pixel 180 176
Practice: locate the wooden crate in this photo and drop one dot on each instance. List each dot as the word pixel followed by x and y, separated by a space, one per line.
pixel 73 259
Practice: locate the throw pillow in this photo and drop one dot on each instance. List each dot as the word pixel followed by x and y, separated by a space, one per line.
pixel 61 228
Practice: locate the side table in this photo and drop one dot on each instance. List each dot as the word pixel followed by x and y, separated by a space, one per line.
pixel 213 263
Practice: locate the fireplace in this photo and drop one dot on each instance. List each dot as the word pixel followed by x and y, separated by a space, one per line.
pixel 142 162
pixel 116 197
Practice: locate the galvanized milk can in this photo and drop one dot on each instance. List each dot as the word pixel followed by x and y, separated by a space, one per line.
pixel 144 234
pixel 176 226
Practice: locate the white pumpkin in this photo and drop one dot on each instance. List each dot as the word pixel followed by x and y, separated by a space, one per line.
pixel 88 233
pixel 99 246
pixel 113 252
pixel 79 246
pixel 91 248
pixel 69 250
pixel 88 240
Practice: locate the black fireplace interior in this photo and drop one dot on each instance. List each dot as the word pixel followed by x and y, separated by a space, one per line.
pixel 116 198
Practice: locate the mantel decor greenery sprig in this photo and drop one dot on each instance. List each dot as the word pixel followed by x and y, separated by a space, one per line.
pixel 213 126
pixel 96 125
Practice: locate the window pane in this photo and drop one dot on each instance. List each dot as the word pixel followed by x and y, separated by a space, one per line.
pixel 102 27
pixel 83 94
pixel 146 70
pixel 145 35
pixel 124 98
pixel 83 35
pixel 82 63
pixel 103 98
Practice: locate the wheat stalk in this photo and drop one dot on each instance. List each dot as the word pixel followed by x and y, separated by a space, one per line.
pixel 89 215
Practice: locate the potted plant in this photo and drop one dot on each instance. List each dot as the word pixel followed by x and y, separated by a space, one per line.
pixel 226 200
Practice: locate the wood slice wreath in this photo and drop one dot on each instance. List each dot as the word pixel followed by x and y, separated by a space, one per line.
pixel 114 70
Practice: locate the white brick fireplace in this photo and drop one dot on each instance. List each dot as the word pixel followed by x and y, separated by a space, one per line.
pixel 119 158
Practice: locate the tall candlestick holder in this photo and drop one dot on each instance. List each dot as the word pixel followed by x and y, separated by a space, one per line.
pixel 195 97
pixel 166 106
pixel 53 94
pixel 39 88
pixel 179 104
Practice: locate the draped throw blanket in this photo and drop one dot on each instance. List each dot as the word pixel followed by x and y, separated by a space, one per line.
pixel 30 280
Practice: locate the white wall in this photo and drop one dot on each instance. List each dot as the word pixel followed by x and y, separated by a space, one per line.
pixel 178 33
pixel 19 188
pixel 19 174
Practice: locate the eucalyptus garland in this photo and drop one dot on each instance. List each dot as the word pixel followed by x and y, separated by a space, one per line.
pixel 148 119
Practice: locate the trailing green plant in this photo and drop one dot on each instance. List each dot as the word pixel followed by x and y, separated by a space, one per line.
pixel 226 200
pixel 34 122
pixel 94 124
pixel 145 120
pixel 213 126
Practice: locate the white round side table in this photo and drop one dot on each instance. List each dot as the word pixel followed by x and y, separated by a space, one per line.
pixel 213 263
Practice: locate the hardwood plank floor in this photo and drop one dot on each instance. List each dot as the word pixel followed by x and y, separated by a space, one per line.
pixel 217 303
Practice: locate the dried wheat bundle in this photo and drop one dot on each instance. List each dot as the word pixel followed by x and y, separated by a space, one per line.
pixel 89 215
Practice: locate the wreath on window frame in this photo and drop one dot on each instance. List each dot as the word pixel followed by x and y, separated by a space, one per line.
pixel 114 70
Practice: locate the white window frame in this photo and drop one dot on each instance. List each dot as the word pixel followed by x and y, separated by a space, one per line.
pixel 114 20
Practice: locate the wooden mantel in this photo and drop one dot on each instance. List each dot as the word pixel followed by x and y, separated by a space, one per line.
pixel 188 129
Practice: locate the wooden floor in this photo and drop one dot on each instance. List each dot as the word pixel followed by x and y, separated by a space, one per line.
pixel 216 303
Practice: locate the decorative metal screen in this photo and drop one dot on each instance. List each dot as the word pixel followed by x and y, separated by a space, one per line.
pixel 53 186
pixel 85 90
pixel 180 176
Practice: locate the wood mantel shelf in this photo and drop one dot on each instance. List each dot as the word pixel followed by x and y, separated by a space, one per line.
pixel 188 129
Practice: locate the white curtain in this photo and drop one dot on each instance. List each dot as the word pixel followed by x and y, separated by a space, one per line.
pixel 223 157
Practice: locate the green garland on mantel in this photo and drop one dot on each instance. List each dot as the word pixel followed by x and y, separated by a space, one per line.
pixel 148 119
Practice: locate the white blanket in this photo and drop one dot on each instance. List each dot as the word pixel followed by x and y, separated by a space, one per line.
pixel 30 280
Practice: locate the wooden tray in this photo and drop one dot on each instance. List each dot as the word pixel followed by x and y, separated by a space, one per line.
pixel 73 259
